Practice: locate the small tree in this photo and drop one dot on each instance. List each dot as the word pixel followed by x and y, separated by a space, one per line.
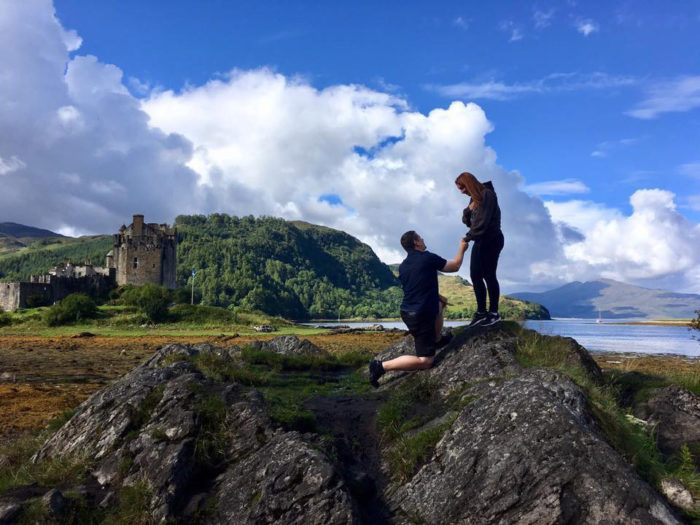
pixel 74 308
pixel 153 301
pixel 695 323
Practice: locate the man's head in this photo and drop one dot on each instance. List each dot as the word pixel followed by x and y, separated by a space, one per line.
pixel 412 241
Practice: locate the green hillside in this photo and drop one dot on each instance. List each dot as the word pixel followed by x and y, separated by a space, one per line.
pixel 292 269
pixel 43 254
pixel 462 303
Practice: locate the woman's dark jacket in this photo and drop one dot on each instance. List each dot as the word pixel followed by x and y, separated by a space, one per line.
pixel 484 221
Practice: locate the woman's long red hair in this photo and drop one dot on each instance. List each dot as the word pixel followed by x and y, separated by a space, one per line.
pixel 474 188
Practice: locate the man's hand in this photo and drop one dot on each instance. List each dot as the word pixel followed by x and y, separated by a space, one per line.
pixel 463 245
pixel 456 263
pixel 443 300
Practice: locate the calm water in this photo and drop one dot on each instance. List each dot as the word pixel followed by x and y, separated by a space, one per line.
pixel 603 337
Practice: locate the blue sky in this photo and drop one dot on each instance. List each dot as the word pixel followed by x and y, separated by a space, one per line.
pixel 358 115
pixel 550 131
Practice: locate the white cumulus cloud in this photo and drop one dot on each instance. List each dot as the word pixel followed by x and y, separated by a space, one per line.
pixel 654 242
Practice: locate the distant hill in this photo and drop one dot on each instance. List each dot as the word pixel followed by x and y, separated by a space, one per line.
pixel 14 237
pixel 12 229
pixel 614 300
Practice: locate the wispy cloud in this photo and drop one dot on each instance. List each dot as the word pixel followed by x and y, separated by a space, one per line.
pixel 542 19
pixel 557 187
pixel 461 22
pixel 673 96
pixel 279 36
pixel 604 148
pixel 587 26
pixel 553 83
pixel 14 163
pixel 513 29
pixel 691 169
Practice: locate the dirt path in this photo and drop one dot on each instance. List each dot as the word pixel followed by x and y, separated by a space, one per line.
pixel 351 421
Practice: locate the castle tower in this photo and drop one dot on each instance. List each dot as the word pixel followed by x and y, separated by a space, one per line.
pixel 145 253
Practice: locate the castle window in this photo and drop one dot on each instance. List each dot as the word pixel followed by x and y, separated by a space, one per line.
pixel 136 262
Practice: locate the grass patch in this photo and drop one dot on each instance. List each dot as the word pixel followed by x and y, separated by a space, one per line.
pixel 306 362
pixel 17 470
pixel 408 408
pixel 143 414
pixel 133 506
pixel 409 453
pixel 212 438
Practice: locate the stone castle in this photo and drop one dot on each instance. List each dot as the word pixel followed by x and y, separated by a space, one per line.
pixel 142 253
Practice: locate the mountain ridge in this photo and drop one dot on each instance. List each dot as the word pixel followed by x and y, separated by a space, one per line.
pixel 613 300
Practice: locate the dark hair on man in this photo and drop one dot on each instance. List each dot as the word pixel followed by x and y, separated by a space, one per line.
pixel 408 240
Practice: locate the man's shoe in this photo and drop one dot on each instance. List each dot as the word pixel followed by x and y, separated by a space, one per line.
pixel 376 370
pixel 493 318
pixel 446 338
pixel 479 318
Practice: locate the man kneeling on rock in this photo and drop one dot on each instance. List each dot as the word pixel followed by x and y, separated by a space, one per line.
pixel 422 305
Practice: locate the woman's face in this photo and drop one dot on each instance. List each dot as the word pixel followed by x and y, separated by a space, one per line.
pixel 462 188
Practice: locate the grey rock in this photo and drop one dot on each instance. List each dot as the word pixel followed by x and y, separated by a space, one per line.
pixel 289 345
pixel 527 452
pixel 285 481
pixel 9 510
pixel 524 450
pixel 677 493
pixel 55 502
pixel 675 413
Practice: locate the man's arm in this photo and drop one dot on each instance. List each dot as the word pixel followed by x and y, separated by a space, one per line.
pixel 456 263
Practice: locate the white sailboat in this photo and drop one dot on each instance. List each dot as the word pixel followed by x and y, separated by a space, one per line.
pixel 600 319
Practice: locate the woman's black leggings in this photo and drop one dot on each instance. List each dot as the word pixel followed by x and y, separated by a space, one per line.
pixel 483 265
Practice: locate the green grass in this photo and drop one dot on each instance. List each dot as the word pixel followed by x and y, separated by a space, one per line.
pixel 412 451
pixel 305 362
pixel 212 437
pixel 127 321
pixel 133 507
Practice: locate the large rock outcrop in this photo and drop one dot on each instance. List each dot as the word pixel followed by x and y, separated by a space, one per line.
pixel 515 445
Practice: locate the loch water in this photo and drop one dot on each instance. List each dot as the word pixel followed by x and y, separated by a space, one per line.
pixel 607 336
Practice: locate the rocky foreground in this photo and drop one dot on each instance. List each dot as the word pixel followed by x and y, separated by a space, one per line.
pixel 187 437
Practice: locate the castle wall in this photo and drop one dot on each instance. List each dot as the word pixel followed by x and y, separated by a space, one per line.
pixel 93 285
pixel 16 295
pixel 9 296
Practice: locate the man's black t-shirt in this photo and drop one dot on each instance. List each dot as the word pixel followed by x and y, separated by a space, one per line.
pixel 418 276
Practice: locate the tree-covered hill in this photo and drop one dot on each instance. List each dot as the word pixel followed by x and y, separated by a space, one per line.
pixel 41 255
pixel 293 269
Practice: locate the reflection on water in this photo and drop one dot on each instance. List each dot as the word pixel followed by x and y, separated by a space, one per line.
pixel 598 337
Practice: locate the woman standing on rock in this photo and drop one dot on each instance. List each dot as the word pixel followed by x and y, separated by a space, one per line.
pixel 483 217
